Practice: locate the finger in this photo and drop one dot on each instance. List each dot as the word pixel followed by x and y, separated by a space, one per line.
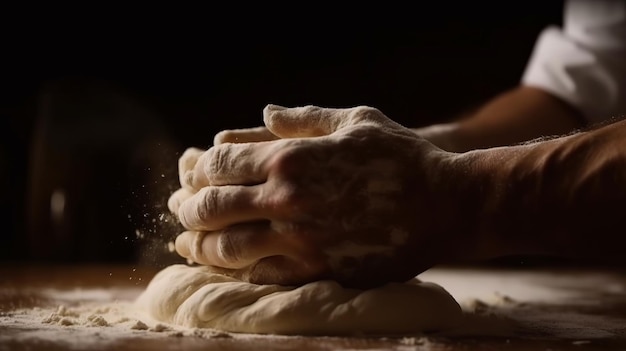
pixel 186 163
pixel 234 247
pixel 217 207
pixel 177 198
pixel 278 269
pixel 231 164
pixel 248 135
pixel 313 121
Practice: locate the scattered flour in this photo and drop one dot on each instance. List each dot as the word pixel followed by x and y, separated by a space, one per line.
pixel 159 327
pixel 95 320
pixel 79 318
pixel 139 325
pixel 514 306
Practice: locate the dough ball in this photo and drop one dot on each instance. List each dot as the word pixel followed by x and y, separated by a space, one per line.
pixel 196 297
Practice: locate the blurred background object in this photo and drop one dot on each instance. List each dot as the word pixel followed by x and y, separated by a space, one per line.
pixel 97 171
pixel 97 120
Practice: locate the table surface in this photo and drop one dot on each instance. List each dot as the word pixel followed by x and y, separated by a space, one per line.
pixel 534 309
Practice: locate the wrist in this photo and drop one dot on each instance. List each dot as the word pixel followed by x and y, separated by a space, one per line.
pixel 486 213
pixel 456 194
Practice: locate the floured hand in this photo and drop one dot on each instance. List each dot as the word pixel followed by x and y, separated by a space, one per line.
pixel 246 135
pixel 345 194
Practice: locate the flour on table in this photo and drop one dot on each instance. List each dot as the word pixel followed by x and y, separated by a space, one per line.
pixel 81 323
pixel 526 305
pixel 197 298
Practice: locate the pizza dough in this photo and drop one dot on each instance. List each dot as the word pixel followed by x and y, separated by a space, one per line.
pixel 195 297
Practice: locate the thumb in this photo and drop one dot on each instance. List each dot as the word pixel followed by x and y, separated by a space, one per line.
pixel 313 121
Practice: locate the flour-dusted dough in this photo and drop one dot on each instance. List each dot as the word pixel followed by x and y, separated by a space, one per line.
pixel 195 297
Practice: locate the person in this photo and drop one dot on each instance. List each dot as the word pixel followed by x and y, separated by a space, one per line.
pixel 350 195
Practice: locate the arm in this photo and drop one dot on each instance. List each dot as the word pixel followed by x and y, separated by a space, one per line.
pixel 575 76
pixel 564 197
pixel 348 194
pixel 518 115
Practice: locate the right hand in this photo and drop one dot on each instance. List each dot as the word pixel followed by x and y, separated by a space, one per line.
pixel 345 194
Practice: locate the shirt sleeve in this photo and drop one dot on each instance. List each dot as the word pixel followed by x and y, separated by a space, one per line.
pixel 584 63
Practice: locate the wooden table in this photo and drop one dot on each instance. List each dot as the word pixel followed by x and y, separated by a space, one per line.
pixel 505 310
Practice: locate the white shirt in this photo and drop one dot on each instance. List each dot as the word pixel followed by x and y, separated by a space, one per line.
pixel 584 63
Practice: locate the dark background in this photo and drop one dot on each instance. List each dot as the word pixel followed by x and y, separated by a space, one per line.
pixel 97 114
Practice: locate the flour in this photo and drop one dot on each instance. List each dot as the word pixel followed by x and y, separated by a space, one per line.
pixel 535 304
pixel 81 320
pixel 95 320
pixel 139 325
pixel 513 306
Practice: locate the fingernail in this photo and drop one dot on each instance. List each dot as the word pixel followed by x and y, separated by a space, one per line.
pixel 181 244
pixel 173 204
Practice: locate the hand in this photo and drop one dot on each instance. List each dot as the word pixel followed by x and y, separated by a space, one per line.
pixel 345 194
pixel 246 135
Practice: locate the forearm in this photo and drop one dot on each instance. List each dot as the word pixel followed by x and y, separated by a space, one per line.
pixel 519 115
pixel 565 196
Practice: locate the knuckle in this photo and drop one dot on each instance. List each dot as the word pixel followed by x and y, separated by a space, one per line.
pixel 215 161
pixel 286 157
pixel 189 158
pixel 183 217
pixel 226 249
pixel 222 137
pixel 365 114
pixel 187 179
pixel 309 109
pixel 286 161
pixel 208 207
pixel 290 228
pixel 291 198
pixel 196 212
pixel 288 195
pixel 361 132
